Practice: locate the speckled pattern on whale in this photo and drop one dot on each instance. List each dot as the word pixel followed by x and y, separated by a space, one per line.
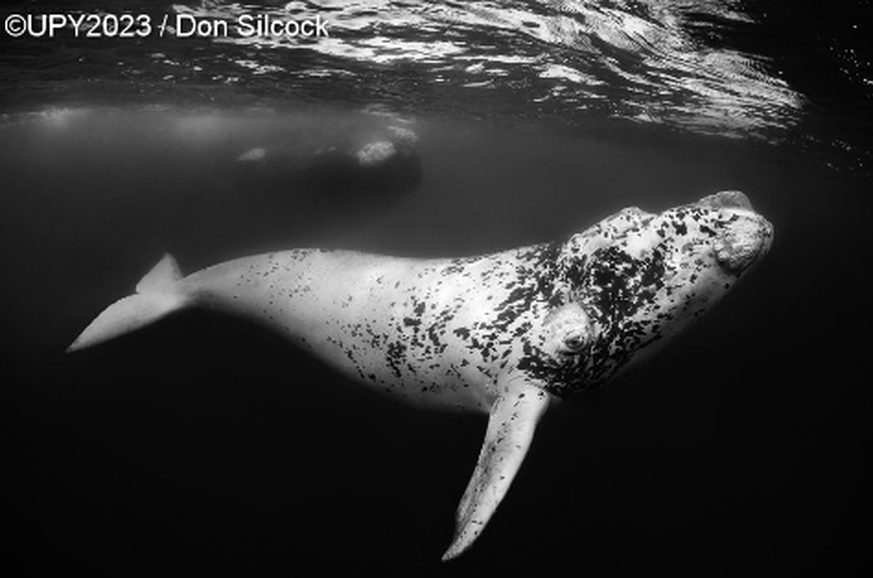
pixel 505 334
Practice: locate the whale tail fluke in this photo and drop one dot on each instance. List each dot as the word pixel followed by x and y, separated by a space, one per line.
pixel 156 296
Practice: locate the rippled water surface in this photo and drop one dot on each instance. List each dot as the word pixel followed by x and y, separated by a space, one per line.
pixel 204 446
pixel 738 69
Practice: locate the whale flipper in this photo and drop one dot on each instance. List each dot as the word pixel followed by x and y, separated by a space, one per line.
pixel 511 424
pixel 155 297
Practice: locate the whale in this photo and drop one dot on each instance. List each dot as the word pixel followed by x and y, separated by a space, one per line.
pixel 505 334
pixel 380 163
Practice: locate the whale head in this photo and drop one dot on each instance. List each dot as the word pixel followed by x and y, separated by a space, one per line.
pixel 637 279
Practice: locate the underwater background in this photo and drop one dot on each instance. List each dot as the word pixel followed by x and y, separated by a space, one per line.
pixel 205 446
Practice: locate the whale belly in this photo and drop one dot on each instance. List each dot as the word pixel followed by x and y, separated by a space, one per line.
pixel 365 316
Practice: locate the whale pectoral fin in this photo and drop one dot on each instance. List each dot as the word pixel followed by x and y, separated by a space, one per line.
pixel 513 419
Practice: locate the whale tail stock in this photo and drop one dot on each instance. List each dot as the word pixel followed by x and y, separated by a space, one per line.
pixel 156 296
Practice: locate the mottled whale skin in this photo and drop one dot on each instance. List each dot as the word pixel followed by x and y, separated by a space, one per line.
pixel 505 334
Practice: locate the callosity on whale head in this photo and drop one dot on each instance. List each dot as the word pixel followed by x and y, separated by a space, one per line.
pixel 637 279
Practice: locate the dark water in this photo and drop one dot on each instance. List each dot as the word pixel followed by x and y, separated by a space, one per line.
pixel 205 446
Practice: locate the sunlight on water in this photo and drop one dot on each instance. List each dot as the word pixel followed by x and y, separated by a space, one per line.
pixel 632 60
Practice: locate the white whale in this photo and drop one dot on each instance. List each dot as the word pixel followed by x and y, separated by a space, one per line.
pixel 504 334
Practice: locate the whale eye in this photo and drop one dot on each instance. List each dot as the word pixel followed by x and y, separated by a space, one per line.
pixel 574 342
pixel 569 330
